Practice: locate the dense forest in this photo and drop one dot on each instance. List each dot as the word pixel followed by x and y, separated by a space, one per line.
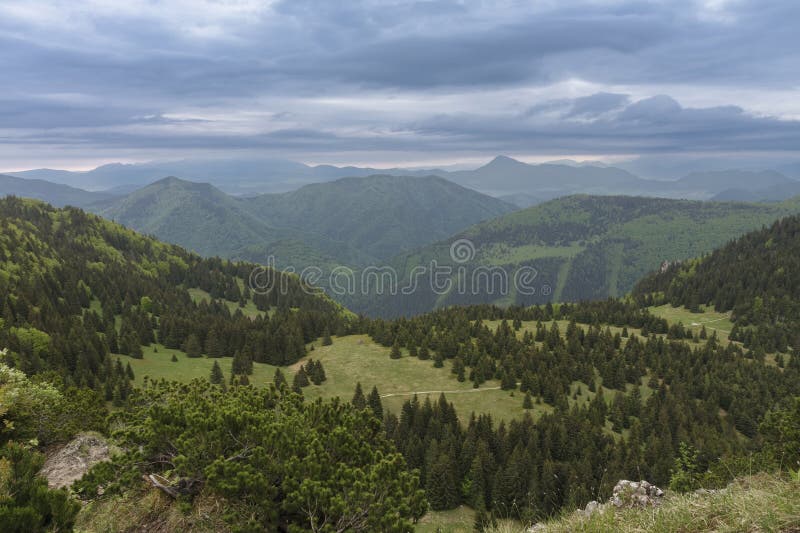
pixel 651 394
pixel 754 277
pixel 581 247
pixel 611 390
pixel 74 288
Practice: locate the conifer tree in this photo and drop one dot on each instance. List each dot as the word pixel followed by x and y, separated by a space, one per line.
pixel 193 348
pixel 216 374
pixel 395 352
pixel 375 404
pixel 279 380
pixel 527 403
pixel 359 401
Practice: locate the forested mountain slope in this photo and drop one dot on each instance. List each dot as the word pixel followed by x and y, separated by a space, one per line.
pixel 352 221
pixel 755 277
pixel 380 215
pixel 75 288
pixel 581 247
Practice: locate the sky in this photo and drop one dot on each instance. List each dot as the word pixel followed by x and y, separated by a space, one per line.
pixel 391 83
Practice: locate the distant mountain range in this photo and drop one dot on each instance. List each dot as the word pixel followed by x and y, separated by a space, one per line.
pixel 514 181
pixel 581 246
pixel 352 221
pixel 54 193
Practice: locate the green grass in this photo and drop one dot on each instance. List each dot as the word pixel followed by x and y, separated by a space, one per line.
pixel 459 520
pixel 502 254
pixel 762 502
pixel 157 364
pixel 712 320
pixel 357 358
pixel 249 310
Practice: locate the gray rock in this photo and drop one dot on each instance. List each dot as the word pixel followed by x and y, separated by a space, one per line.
pixel 635 494
pixel 70 462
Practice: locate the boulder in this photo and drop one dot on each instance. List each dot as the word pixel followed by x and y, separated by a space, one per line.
pixel 70 462
pixel 635 494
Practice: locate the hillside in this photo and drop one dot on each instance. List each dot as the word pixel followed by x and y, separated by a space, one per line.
pixel 518 413
pixel 353 221
pixel 753 277
pixel 52 193
pixel 75 289
pixel 580 247
pixel 379 215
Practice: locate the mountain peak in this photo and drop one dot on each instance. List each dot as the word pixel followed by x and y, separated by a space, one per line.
pixel 504 163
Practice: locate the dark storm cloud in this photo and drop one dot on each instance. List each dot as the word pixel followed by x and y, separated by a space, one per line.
pixel 108 76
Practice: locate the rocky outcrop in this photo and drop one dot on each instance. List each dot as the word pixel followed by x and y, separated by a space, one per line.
pixel 626 495
pixel 635 494
pixel 70 462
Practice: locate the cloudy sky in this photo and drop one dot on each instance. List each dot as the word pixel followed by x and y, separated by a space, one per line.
pixel 396 83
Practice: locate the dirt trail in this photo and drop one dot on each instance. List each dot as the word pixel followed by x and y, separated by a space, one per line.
pixel 437 392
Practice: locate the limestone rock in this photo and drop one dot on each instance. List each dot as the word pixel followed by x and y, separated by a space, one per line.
pixel 635 494
pixel 70 462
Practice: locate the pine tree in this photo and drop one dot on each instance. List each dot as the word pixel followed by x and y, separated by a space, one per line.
pixel 216 374
pixel 527 403
pixel 359 401
pixel 279 380
pixel 326 338
pixel 301 378
pixel 438 360
pixel 174 358
pixel 395 353
pixel 375 404
pixel 193 348
pixel 424 353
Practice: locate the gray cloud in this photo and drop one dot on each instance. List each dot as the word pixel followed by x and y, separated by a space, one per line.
pixel 312 76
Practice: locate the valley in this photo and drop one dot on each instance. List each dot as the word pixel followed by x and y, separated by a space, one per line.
pixel 478 401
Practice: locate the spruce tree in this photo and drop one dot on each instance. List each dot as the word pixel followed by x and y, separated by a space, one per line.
pixel 438 360
pixel 279 380
pixel 326 338
pixel 216 374
pixel 395 353
pixel 193 348
pixel 359 401
pixel 527 403
pixel 375 404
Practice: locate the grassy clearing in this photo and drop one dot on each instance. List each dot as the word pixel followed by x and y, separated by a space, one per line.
pixel 762 502
pixel 357 358
pixel 712 320
pixel 157 364
pixel 460 520
pixel 502 254
pixel 249 310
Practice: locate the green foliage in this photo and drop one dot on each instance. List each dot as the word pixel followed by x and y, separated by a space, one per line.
pixel 275 459
pixel 754 277
pixel 781 432
pixel 582 247
pixel 359 401
pixel 685 473
pixel 26 503
pixel 217 378
pixel 314 225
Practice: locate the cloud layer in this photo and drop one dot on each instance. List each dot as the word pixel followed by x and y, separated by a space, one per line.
pixel 390 81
